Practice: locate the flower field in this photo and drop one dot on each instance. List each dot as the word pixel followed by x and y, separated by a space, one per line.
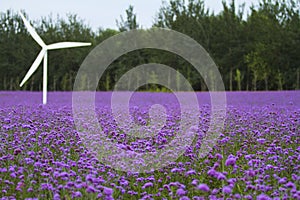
pixel 257 155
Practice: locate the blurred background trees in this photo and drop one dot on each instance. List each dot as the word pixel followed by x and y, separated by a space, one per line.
pixel 257 51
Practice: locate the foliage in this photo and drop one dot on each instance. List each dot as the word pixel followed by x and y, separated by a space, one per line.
pixel 257 52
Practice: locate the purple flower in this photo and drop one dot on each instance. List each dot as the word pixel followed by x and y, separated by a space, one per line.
pixel 219 156
pixel 3 170
pixel 44 174
pixel 79 185
pixel 180 192
pixel 90 189
pixel 251 173
pixel 203 187
pixel 263 197
pixel 282 180
pixel 146 185
pixel 70 184
pixel 230 161
pixel 221 176
pixel 77 194
pixel 46 186
pixel 17 151
pixel 89 177
pixel 13 175
pixel 108 191
pixel 261 140
pixel 56 196
pixel 248 197
pixel 190 172
pixel 226 190
pixel 63 174
pixel 212 172
pixel 194 182
pixel 290 185
pixel 184 198
pixel 215 191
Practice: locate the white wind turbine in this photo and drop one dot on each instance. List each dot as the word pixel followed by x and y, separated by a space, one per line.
pixel 44 55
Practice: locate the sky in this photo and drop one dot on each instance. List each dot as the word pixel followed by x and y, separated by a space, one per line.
pixel 97 13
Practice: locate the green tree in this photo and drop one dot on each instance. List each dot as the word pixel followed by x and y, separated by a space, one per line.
pixel 130 23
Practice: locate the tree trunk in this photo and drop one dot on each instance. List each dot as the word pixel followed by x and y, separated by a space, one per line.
pixel 230 79
pixel 54 83
pixel 4 84
pixel 254 82
pixel 11 84
pixel 70 82
pixel 247 81
pixel 298 79
pixel 203 85
pixel 169 78
pixel 239 79
pixel 147 85
pixel 280 81
pixel 129 81
pixel 178 80
pixel 31 84
pixel 189 74
pixel 211 81
pixel 17 87
pixel 266 83
pixel 107 82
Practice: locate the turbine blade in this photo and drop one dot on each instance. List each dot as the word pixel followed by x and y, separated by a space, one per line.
pixel 34 66
pixel 62 45
pixel 32 31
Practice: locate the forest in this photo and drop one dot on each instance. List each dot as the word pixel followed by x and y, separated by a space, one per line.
pixel 254 51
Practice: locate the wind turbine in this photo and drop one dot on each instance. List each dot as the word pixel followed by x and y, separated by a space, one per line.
pixel 44 55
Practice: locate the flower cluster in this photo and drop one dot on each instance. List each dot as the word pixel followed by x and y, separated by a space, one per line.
pixel 257 155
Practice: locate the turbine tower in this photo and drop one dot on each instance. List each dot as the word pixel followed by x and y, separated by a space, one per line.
pixel 44 55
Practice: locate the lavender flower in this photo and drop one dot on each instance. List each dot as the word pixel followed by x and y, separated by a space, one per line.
pixel 203 187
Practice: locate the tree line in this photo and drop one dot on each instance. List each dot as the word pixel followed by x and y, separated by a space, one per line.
pixel 256 52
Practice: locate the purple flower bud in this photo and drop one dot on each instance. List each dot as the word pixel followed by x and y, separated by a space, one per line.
pixel 108 191
pixel 290 185
pixel 282 180
pixel 56 196
pixel 194 182
pixel 149 184
pixel 230 161
pixel 90 189
pixel 226 190
pixel 180 192
pixel 184 198
pixel 263 197
pixel 221 176
pixel 190 172
pixel 77 194
pixel 3 170
pixel 17 151
pixel 212 172
pixel 261 140
pixel 203 187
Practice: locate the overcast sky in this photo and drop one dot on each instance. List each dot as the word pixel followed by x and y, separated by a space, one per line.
pixel 99 13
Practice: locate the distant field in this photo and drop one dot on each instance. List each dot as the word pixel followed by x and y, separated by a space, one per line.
pixel 257 155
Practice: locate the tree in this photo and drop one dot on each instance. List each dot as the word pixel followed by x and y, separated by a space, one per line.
pixel 130 23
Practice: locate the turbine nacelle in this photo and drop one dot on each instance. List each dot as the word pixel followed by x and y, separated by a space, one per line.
pixel 43 55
